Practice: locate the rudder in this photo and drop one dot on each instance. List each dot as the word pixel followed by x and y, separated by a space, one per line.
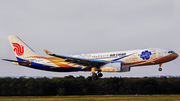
pixel 21 49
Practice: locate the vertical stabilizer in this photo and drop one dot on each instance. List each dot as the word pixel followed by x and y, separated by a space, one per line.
pixel 21 49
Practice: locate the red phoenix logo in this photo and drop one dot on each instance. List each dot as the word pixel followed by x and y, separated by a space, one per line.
pixel 18 49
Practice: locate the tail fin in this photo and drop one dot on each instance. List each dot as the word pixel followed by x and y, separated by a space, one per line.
pixel 21 50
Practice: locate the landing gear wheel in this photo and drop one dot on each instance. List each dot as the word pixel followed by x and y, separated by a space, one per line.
pixel 89 78
pixel 93 74
pixel 100 74
pixel 95 78
pixel 160 69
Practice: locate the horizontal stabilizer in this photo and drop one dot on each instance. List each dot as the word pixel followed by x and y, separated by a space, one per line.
pixel 15 61
pixel 10 60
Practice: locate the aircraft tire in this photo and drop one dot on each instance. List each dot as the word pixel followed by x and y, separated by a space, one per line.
pixel 93 74
pixel 100 74
pixel 89 78
pixel 160 69
pixel 95 78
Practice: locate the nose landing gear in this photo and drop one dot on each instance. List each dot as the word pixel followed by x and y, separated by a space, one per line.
pixel 160 69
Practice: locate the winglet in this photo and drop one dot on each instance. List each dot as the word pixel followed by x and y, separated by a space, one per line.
pixel 47 52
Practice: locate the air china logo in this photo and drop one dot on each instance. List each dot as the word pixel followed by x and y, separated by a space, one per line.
pixel 145 55
pixel 19 49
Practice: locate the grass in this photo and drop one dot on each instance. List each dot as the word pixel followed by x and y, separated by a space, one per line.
pixel 94 97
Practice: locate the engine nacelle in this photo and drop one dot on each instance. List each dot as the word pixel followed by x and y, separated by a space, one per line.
pixel 125 69
pixel 112 67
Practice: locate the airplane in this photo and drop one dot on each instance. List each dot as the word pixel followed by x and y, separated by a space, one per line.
pixel 118 61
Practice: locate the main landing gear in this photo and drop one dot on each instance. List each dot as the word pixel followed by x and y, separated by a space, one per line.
pixel 94 75
pixel 160 69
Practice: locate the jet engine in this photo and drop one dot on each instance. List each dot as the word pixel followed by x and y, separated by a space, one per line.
pixel 112 67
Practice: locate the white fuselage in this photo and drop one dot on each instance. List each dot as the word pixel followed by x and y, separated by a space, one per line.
pixel 134 57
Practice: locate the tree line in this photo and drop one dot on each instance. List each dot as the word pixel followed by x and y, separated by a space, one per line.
pixel 70 85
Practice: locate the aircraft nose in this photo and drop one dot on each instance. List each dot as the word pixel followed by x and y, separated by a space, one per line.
pixel 174 55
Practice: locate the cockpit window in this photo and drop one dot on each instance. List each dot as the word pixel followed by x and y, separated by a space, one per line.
pixel 171 52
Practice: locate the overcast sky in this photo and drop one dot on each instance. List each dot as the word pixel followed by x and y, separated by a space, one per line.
pixel 87 26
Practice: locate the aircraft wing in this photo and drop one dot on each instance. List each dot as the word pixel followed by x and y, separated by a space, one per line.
pixel 81 61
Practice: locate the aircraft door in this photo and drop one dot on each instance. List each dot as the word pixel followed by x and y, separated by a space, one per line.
pixel 160 53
